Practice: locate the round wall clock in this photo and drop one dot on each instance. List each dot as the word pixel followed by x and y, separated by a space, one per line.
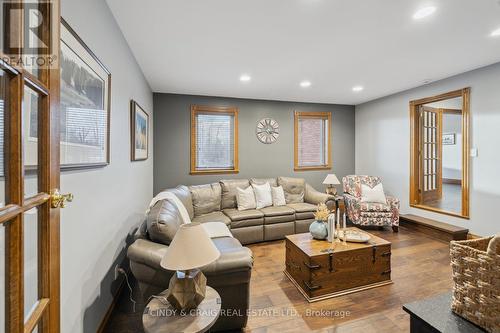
pixel 267 130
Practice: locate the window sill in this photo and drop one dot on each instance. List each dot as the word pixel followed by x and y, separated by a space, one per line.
pixel 313 168
pixel 213 172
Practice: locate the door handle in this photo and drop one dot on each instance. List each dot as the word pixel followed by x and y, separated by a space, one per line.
pixel 58 200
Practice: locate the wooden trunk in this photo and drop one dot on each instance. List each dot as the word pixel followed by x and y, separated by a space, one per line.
pixel 321 270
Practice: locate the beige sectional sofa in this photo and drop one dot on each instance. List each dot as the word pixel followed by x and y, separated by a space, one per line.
pixel 230 274
pixel 217 202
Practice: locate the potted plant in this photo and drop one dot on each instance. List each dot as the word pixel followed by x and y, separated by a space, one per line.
pixel 318 228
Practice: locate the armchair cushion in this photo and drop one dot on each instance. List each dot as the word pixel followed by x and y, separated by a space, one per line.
pixel 352 184
pixel 374 207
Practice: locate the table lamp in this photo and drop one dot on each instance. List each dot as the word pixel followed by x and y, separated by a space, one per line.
pixel 331 180
pixel 190 249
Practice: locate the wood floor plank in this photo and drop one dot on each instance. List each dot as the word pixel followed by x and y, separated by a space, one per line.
pixel 420 269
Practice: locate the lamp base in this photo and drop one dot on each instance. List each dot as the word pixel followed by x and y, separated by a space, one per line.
pixel 331 190
pixel 186 289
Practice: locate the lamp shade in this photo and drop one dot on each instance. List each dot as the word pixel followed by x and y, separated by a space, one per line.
pixel 331 179
pixel 191 248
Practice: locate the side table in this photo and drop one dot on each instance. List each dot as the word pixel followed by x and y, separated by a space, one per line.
pixel 160 316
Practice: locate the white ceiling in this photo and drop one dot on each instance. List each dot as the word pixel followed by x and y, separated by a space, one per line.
pixel 203 46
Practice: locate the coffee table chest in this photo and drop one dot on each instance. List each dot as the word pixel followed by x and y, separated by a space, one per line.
pixel 320 269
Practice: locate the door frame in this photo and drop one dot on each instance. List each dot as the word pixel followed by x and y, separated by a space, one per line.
pixel 415 196
pixel 46 313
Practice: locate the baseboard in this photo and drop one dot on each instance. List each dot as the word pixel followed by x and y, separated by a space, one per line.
pixel 452 181
pixel 111 307
pixel 473 236
pixel 439 230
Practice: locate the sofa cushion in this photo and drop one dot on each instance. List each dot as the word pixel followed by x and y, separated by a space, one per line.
pixel 294 189
pixel 213 217
pixel 228 188
pixel 382 215
pixel 182 192
pixel 277 211
pixel 260 181
pixel 245 198
pixel 233 257
pixel 304 215
pixel 302 207
pixel 239 215
pixel 246 223
pixel 278 219
pixel 206 198
pixel 163 220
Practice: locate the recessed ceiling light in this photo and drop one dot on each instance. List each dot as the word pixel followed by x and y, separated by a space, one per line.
pixel 357 88
pixel 305 84
pixel 495 33
pixel 245 78
pixel 424 12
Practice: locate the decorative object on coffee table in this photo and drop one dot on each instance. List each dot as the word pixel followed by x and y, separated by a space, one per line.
pixel 318 228
pixel 331 180
pixel 190 249
pixel 161 317
pixel 321 270
pixel 476 294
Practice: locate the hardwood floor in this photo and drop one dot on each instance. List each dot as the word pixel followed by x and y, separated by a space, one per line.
pixel 451 200
pixel 420 269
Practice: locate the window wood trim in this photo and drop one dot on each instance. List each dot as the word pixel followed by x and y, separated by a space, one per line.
pixel 415 200
pixel 202 109
pixel 313 115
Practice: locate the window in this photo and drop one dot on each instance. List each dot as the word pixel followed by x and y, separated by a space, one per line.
pixel 312 140
pixel 214 139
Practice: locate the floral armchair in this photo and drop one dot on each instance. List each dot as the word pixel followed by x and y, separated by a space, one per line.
pixel 368 213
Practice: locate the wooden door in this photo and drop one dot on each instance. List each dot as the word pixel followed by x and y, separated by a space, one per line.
pixel 29 226
pixel 431 182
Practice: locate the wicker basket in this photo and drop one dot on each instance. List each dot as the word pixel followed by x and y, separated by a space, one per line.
pixel 476 274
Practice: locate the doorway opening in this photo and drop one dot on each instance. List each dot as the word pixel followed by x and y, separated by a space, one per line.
pixel 439 154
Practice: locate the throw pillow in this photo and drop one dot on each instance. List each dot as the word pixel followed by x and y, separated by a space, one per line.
pixel 245 198
pixel 263 196
pixel 278 196
pixel 375 194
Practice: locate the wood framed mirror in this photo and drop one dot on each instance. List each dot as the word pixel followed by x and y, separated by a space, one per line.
pixel 440 153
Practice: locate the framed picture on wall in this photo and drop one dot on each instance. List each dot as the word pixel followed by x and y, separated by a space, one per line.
pixel 449 139
pixel 85 104
pixel 139 132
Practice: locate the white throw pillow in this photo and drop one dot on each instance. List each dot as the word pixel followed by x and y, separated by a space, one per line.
pixel 375 194
pixel 245 198
pixel 263 196
pixel 278 196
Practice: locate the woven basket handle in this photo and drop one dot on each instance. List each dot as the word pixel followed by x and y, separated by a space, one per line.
pixel 494 245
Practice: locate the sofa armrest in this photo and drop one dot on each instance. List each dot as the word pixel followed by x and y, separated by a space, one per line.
pixel 234 257
pixel 315 197
pixel 146 252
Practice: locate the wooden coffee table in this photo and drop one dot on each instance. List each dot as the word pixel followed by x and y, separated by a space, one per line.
pixel 320 269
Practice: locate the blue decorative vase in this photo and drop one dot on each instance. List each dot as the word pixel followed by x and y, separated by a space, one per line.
pixel 318 230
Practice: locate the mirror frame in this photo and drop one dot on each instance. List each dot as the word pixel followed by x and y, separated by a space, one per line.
pixel 415 200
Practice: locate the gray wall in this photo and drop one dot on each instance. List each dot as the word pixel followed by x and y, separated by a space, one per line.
pixel 109 202
pixel 172 140
pixel 383 141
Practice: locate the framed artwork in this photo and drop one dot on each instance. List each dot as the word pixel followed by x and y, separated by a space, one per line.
pixel 449 139
pixel 85 104
pixel 139 132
